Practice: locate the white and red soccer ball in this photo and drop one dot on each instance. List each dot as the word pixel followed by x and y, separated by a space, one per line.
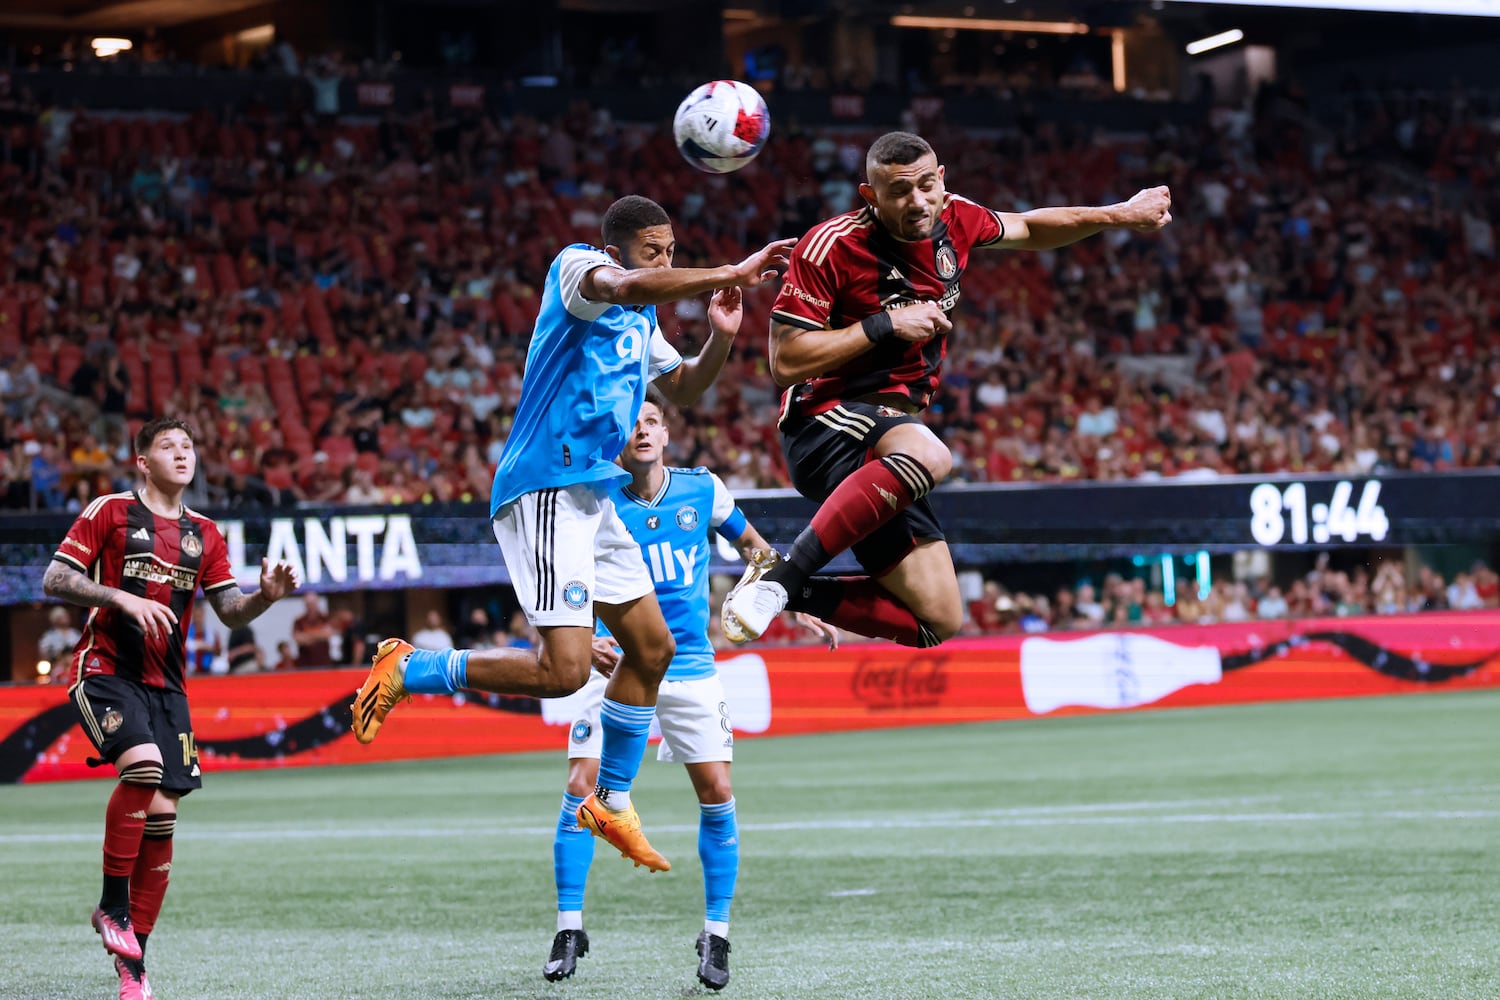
pixel 721 126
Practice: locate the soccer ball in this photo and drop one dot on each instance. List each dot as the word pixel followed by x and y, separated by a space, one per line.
pixel 721 126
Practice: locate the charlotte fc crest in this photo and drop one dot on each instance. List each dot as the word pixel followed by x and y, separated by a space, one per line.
pixel 687 518
pixel 575 594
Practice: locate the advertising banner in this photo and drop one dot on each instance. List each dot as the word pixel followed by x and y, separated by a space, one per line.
pixel 302 718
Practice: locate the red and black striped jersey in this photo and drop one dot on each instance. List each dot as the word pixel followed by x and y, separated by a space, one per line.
pixel 120 543
pixel 850 267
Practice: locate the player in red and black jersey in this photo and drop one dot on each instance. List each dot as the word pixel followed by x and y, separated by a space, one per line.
pixel 858 336
pixel 137 559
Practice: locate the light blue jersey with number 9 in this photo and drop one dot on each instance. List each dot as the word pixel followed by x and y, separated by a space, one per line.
pixel 586 375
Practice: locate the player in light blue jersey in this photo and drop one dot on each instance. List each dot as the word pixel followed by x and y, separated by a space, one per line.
pixel 595 348
pixel 673 514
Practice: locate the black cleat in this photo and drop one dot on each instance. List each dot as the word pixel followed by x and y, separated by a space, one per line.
pixel 713 961
pixel 567 948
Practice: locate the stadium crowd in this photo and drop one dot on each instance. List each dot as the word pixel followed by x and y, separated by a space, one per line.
pixel 1379 589
pixel 342 307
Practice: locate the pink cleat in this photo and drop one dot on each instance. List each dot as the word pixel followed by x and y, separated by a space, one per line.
pixel 118 938
pixel 133 986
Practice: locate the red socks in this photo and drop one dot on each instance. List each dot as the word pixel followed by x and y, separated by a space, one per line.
pixel 153 869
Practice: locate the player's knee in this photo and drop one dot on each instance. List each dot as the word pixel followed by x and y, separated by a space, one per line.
pixel 715 792
pixel 657 657
pixel 936 459
pixel 581 785
pixel 146 773
pixel 564 673
pixel 946 626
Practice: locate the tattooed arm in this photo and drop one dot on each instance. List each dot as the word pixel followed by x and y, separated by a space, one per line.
pixel 67 583
pixel 236 609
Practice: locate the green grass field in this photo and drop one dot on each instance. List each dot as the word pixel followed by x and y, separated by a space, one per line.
pixel 1316 850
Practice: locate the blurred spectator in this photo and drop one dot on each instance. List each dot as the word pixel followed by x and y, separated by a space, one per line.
pixel 433 635
pixel 243 654
pixel 57 644
pixel 203 643
pixel 285 658
pixel 313 633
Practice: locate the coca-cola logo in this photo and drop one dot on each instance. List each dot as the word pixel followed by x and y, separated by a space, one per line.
pixel 920 682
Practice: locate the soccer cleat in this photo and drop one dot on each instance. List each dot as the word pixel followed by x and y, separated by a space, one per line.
pixel 713 960
pixel 623 831
pixel 118 938
pixel 567 948
pixel 133 983
pixel 381 689
pixel 752 609
pixel 762 561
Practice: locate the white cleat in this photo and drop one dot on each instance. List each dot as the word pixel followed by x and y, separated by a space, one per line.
pixel 761 562
pixel 752 609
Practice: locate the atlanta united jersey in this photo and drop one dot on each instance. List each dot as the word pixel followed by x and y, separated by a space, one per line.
pixel 586 375
pixel 850 268
pixel 119 542
pixel 673 531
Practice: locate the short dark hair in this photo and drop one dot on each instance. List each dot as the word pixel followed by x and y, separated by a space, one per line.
pixel 146 436
pixel 630 215
pixel 896 147
pixel 655 397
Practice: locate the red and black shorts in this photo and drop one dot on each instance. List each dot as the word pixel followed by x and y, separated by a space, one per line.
pixel 824 450
pixel 118 714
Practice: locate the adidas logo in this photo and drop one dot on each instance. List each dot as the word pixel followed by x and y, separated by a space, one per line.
pixel 895 275
pixel 889 497
pixel 142 534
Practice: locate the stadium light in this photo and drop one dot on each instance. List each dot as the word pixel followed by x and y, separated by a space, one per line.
pixel 106 47
pixel 990 24
pixel 1223 38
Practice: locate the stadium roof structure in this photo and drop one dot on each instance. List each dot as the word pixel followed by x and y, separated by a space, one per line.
pixel 107 15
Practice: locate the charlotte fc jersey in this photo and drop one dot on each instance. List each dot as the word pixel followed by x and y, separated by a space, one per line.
pixel 586 374
pixel 120 543
pixel 850 268
pixel 673 530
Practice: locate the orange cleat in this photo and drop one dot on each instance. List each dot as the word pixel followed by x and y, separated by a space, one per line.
pixel 381 689
pixel 623 831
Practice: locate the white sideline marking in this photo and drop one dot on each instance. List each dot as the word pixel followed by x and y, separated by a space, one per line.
pixel 854 892
pixel 212 833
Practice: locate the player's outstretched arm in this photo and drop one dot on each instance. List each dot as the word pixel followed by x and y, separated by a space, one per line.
pixel 798 353
pixel 1050 228
pixel 686 384
pixel 651 286
pixel 236 609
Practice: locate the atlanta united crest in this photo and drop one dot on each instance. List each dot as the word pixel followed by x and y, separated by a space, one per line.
pixel 111 722
pixel 192 546
pixel 947 262
pixel 575 594
pixel 687 518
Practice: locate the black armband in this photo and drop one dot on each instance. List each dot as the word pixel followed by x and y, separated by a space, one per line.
pixel 878 328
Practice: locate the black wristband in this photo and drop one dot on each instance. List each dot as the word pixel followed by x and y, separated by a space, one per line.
pixel 878 327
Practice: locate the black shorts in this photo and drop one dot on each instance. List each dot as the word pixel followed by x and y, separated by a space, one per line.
pixel 824 450
pixel 118 714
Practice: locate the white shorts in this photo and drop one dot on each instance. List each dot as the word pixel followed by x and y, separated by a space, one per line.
pixel 567 548
pixel 692 719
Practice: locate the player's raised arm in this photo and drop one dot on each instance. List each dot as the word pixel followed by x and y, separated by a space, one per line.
pixel 686 384
pixel 799 353
pixel 1050 228
pixel 650 283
